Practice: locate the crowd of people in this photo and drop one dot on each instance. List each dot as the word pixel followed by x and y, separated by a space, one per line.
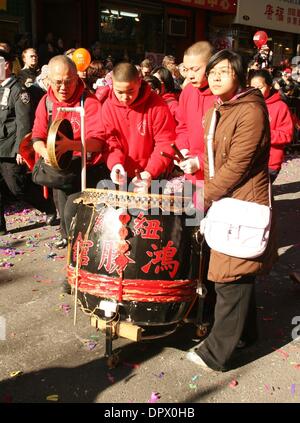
pixel 133 112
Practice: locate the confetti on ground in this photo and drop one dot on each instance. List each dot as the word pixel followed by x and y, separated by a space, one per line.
pixel 194 378
pixel 52 397
pixel 281 352
pixel 132 365
pixel 91 345
pixel 16 373
pixel 233 384
pixel 297 366
pixel 192 386
pixel 154 397
pixel 66 308
pixel 293 389
pixel 110 378
pixel 160 376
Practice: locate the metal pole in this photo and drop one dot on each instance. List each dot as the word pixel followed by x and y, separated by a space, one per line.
pixel 83 150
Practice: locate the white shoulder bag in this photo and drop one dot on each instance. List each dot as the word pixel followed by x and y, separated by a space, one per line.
pixel 234 227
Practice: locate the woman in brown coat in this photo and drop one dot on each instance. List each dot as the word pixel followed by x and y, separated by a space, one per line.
pixel 241 152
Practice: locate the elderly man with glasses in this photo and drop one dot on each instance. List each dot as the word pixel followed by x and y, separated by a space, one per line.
pixel 67 90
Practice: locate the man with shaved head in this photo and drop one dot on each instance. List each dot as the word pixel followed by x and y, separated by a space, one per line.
pixel 138 127
pixel 195 99
pixel 67 90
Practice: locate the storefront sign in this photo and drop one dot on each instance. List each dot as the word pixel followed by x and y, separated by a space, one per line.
pixel 225 6
pixel 281 15
pixel 3 5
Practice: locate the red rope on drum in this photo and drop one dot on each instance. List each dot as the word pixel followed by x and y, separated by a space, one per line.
pixel 159 291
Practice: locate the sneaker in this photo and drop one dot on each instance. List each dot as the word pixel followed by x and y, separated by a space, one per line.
pixel 295 276
pixel 3 231
pixel 66 288
pixel 61 243
pixel 51 219
pixel 241 345
pixel 196 359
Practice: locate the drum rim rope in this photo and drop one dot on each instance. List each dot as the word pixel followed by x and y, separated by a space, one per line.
pixel 125 199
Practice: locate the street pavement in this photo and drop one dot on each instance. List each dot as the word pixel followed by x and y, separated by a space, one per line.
pixel 44 358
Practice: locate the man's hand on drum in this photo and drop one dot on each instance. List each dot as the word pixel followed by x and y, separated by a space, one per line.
pixel 190 165
pixel 19 159
pixel 142 182
pixel 44 153
pixel 118 174
pixel 185 152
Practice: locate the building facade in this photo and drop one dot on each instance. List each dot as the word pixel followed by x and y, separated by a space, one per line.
pixel 133 29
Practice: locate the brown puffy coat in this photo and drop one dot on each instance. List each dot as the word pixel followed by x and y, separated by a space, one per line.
pixel 241 150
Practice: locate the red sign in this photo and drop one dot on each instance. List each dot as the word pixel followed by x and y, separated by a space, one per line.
pixel 225 6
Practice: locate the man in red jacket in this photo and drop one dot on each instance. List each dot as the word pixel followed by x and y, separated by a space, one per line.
pixel 138 127
pixel 67 90
pixel 195 99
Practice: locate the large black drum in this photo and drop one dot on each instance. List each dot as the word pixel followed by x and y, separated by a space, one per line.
pixel 136 250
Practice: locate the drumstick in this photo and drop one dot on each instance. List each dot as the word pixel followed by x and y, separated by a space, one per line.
pixel 76 283
pixel 118 175
pixel 178 152
pixel 168 156
pixel 138 175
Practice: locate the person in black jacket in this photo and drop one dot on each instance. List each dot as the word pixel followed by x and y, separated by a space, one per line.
pixel 15 123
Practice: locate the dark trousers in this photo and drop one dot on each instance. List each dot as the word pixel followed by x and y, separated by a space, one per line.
pixel 20 185
pixel 67 209
pixel 235 319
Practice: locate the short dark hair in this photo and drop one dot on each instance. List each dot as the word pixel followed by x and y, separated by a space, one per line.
pixel 125 72
pixel 166 77
pixel 154 82
pixel 7 56
pixel 236 61
pixel 263 73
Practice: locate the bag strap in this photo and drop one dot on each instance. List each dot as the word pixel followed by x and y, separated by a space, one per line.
pixel 210 153
pixel 210 144
pixel 49 108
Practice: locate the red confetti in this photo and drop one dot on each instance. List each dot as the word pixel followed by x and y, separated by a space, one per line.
pixel 233 383
pixel 132 365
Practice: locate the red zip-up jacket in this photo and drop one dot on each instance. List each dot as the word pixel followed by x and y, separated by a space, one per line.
pixel 92 109
pixel 138 133
pixel 193 104
pixel 282 128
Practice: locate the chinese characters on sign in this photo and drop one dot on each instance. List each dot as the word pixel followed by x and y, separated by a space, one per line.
pixel 225 6
pixel 291 15
pixel 280 15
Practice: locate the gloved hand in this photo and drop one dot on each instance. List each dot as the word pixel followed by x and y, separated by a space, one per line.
pixel 190 165
pixel 185 153
pixel 143 183
pixel 118 174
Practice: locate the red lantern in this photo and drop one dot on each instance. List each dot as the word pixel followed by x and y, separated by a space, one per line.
pixel 260 38
pixel 82 59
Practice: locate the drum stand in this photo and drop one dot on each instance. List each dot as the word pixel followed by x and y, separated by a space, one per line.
pixel 110 309
pixel 201 327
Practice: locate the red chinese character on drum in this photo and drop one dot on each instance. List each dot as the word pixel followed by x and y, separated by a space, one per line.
pixel 85 245
pixel 148 229
pixel 163 259
pixel 113 259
